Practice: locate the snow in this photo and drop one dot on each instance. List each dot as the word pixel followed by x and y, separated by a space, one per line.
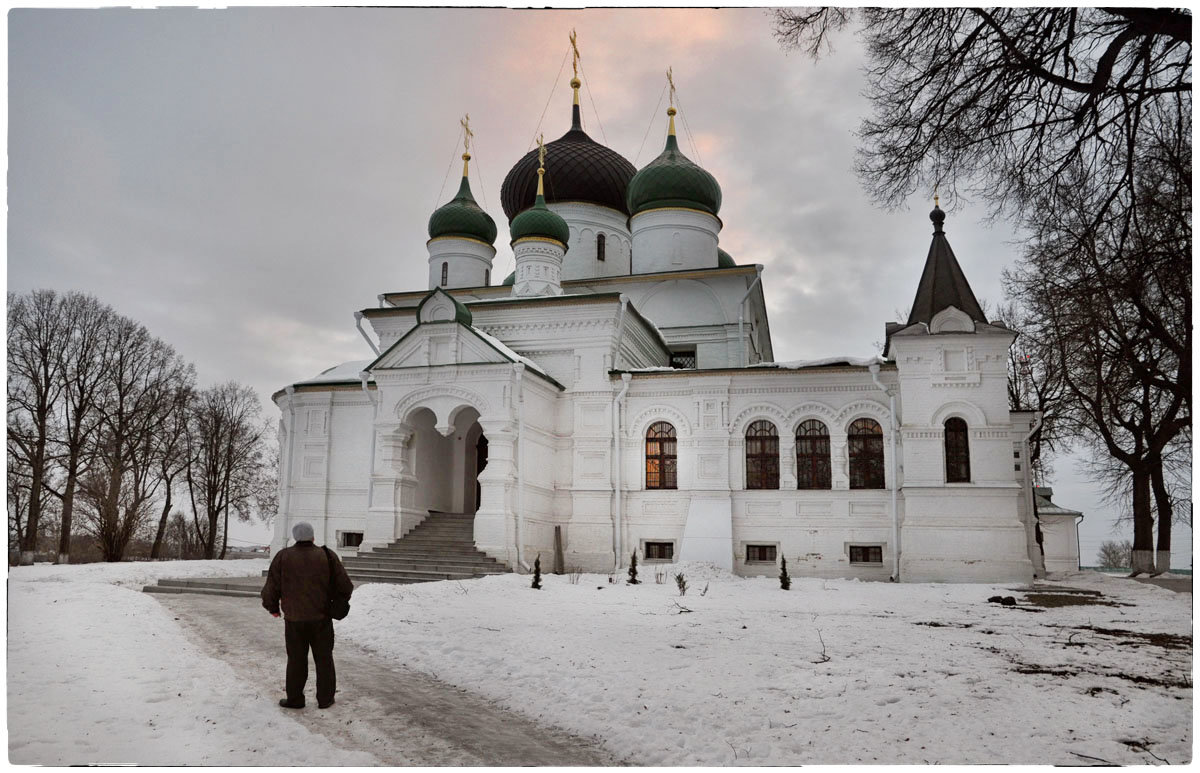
pixel 99 672
pixel 509 353
pixel 347 371
pixel 858 362
pixel 737 671
pixel 741 678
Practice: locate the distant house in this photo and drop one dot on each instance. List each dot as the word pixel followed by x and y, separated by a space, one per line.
pixel 1060 532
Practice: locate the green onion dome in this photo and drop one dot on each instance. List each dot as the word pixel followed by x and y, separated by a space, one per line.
pixel 673 180
pixel 539 222
pixel 462 217
pixel 724 259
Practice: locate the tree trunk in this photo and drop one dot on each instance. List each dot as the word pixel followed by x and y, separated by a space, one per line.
pixel 1143 524
pixel 1162 503
pixel 225 534
pixel 37 473
pixel 162 526
pixel 68 510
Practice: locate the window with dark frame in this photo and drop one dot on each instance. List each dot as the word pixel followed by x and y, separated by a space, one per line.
pixel 760 553
pixel 445 273
pixel 812 456
pixel 683 359
pixel 659 551
pixel 762 455
pixel 351 539
pixel 865 440
pixel 487 277
pixel 866 554
pixel 660 456
pixel 600 246
pixel 958 451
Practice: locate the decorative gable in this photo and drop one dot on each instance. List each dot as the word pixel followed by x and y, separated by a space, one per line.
pixel 438 344
pixel 951 320
pixel 440 306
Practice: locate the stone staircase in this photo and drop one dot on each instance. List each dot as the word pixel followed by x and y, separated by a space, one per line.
pixel 442 547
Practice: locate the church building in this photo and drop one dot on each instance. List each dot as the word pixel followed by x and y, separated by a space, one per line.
pixel 617 394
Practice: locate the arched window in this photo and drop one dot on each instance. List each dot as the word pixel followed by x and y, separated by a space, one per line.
pixel 445 273
pixel 600 247
pixel 487 277
pixel 866 454
pixel 812 456
pixel 762 456
pixel 958 451
pixel 660 456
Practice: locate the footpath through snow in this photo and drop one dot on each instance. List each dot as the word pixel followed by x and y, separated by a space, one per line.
pixel 1091 669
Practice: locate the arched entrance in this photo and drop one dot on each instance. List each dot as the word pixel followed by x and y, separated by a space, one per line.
pixel 447 466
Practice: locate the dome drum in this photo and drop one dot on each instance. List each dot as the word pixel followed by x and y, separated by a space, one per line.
pixel 674 240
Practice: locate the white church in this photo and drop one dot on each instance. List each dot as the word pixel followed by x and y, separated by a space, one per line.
pixel 617 395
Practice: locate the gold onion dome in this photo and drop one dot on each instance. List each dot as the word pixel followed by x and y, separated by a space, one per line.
pixel 673 180
pixel 461 216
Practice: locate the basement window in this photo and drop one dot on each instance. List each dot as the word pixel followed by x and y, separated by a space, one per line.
pixel 760 553
pixel 349 539
pixel 658 551
pixel 866 554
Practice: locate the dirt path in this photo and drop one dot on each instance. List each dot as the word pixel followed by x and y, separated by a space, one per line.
pixel 402 717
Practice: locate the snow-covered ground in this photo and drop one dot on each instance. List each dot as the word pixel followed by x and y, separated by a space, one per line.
pixel 830 672
pixel 99 672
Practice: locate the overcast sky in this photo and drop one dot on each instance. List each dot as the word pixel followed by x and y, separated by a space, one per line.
pixel 242 180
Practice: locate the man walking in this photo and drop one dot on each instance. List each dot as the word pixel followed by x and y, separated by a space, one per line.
pixel 304 577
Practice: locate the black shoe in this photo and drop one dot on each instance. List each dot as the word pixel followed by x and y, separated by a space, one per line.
pixel 325 705
pixel 287 704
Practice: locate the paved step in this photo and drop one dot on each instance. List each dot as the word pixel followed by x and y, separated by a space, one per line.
pixel 381 566
pixel 203 591
pixel 387 575
pixel 422 558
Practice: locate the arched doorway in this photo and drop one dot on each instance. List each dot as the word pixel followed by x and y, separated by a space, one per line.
pixel 447 466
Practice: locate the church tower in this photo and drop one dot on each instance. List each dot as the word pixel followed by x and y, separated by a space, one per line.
pixel 962 514
pixel 539 242
pixel 673 206
pixel 461 235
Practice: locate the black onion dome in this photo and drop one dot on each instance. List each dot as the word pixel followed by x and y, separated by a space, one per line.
pixel 577 169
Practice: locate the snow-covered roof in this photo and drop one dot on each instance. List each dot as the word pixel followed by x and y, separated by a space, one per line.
pixel 510 354
pixel 858 362
pixel 347 371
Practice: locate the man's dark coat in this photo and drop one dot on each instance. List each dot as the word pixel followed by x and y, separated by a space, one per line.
pixel 299 578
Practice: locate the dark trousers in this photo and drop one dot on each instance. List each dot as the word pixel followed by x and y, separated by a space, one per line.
pixel 299 637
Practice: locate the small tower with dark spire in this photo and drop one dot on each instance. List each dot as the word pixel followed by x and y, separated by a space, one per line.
pixel 461 235
pixel 957 432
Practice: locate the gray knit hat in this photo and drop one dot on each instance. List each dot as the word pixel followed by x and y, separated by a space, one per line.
pixel 302 532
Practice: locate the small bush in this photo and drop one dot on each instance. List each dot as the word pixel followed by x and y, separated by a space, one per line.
pixel 633 580
pixel 660 576
pixel 785 582
pixel 574 575
pixel 681 582
pixel 537 573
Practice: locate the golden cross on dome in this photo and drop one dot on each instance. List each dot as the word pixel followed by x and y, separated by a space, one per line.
pixel 541 153
pixel 671 82
pixel 935 194
pixel 467 133
pixel 574 54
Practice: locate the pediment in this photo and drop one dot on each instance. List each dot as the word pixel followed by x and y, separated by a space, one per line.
pixel 438 343
pixel 951 320
pixel 440 306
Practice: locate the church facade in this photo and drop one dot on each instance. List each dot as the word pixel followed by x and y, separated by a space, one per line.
pixel 618 394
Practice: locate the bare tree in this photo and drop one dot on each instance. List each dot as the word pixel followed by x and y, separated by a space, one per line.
pixel 142 376
pixel 171 455
pixel 226 459
pixel 82 362
pixel 1114 555
pixel 37 332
